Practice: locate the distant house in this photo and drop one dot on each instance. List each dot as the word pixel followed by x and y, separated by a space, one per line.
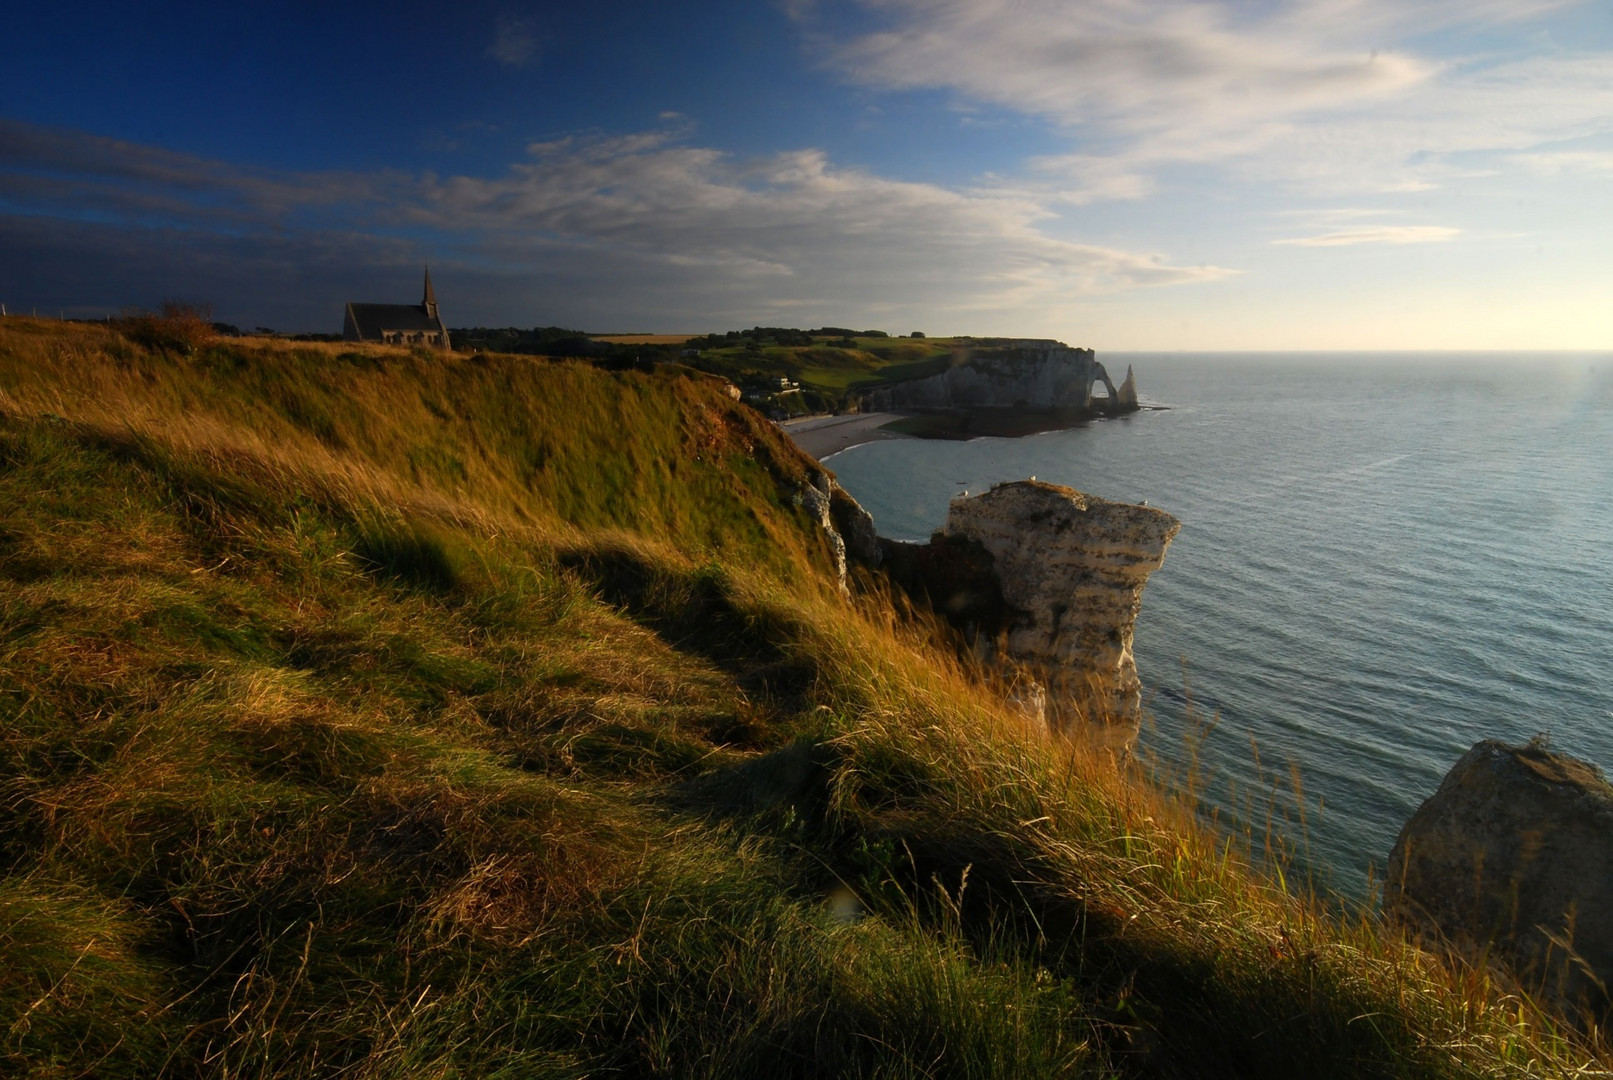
pixel 397 324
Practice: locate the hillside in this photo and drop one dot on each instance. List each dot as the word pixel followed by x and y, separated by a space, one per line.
pixel 834 366
pixel 386 714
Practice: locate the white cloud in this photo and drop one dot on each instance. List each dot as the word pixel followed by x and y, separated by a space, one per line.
pixel 1135 67
pixel 1327 94
pixel 1378 234
pixel 1468 123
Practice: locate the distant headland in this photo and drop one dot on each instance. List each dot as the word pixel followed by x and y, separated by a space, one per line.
pixel 834 387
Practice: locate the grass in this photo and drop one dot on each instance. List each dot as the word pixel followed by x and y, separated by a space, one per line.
pixel 838 370
pixel 320 755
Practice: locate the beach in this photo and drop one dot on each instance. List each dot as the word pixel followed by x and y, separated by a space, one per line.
pixel 822 436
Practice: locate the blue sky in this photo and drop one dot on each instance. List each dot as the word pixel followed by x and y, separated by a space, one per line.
pixel 1122 174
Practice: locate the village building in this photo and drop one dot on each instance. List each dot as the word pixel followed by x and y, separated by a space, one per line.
pixel 398 324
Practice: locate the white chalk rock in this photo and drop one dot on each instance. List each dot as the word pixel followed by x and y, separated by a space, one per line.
pixel 1073 567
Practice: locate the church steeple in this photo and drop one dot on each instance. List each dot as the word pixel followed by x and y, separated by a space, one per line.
pixel 429 302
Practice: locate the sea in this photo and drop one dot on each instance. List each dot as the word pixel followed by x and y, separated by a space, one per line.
pixel 1384 558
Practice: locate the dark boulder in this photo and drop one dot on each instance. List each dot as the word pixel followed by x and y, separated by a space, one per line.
pixel 1512 860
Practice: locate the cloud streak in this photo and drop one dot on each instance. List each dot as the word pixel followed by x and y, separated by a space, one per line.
pixel 1568 162
pixel 643 225
pixel 1378 234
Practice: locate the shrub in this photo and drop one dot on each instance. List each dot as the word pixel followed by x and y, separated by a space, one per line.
pixel 179 326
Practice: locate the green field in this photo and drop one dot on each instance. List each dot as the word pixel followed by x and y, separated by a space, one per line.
pixel 836 372
pixel 389 714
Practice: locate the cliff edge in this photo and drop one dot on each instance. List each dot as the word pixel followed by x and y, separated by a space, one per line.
pixel 1016 374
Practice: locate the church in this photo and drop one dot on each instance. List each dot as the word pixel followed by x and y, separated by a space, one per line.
pixel 398 324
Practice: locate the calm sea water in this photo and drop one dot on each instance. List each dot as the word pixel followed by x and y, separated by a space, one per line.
pixel 1383 559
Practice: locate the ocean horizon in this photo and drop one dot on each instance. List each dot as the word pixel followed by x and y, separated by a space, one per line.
pixel 1384 558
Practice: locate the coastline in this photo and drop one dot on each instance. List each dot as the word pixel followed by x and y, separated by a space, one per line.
pixel 824 436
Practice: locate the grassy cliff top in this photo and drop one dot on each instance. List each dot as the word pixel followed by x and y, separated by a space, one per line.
pixel 840 364
pixel 383 714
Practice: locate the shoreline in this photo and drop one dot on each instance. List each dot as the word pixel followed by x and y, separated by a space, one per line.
pixel 824 436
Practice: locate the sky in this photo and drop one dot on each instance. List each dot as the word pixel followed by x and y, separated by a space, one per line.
pixel 1117 174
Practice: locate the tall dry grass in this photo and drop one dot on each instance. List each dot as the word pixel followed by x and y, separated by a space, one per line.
pixel 364 713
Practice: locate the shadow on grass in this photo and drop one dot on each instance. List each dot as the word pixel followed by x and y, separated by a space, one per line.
pixel 1165 1000
pixel 698 611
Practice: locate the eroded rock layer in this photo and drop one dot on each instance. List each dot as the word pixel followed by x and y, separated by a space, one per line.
pixel 1512 858
pixel 847 527
pixel 1072 567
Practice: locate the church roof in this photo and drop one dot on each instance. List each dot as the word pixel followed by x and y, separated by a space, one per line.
pixel 371 319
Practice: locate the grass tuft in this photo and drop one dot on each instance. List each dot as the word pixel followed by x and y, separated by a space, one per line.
pixel 411 553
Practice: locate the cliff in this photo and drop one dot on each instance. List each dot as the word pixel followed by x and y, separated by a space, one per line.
pixel 1512 859
pixel 1018 374
pixel 1048 580
pixel 848 529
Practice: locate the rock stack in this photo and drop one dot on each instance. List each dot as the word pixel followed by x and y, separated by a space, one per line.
pixel 1046 582
pixel 1072 568
pixel 1512 860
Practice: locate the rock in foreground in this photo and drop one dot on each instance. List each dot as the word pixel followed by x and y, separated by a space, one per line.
pixel 1513 858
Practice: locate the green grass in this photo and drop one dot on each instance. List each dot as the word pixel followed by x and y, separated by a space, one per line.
pixel 837 371
pixel 369 714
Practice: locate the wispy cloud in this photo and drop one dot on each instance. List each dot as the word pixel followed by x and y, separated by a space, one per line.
pixel 645 222
pixel 1340 213
pixel 1470 122
pixel 1568 162
pixel 75 171
pixel 517 40
pixel 1327 94
pixel 1153 66
pixel 836 236
pixel 1378 234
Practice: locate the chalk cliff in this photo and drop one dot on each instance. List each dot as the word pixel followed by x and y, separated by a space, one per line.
pixel 1512 858
pixel 1047 581
pixel 846 525
pixel 854 524
pixel 1034 373
pixel 1073 567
